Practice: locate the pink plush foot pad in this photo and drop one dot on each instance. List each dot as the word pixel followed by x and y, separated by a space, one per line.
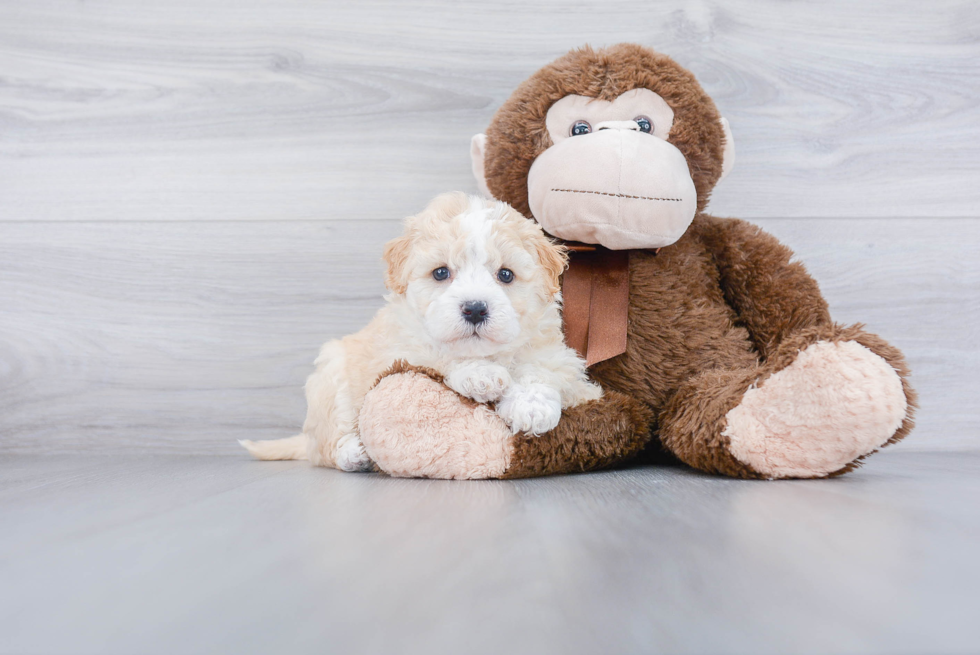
pixel 837 402
pixel 414 426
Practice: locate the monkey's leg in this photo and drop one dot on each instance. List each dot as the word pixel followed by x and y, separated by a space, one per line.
pixel 826 398
pixel 412 425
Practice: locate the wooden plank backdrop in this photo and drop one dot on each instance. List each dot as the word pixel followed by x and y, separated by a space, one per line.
pixel 193 195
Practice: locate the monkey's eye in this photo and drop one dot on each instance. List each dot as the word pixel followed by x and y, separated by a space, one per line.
pixel 505 275
pixel 579 128
pixel 441 273
pixel 646 125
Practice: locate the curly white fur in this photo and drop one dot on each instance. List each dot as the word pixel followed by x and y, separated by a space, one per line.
pixel 516 357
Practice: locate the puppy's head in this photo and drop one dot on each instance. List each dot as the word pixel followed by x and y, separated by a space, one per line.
pixel 476 272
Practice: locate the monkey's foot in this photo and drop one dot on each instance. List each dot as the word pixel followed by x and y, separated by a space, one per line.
pixel 835 404
pixel 413 425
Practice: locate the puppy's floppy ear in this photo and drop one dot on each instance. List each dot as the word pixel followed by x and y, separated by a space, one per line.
pixel 396 256
pixel 552 256
pixel 554 260
pixel 397 251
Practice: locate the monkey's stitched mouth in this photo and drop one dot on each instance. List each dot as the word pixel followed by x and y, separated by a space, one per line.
pixel 617 195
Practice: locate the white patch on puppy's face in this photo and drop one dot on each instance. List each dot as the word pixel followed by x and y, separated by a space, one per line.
pixel 474 311
pixel 472 283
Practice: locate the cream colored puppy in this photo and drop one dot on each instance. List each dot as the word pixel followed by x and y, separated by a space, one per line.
pixel 475 296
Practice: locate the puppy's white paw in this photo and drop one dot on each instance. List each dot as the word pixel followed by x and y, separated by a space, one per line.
pixel 481 381
pixel 350 455
pixel 531 408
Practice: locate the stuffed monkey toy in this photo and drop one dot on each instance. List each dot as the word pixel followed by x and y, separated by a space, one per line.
pixel 709 343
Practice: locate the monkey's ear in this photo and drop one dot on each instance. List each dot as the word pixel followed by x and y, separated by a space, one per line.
pixel 728 154
pixel 396 257
pixel 478 150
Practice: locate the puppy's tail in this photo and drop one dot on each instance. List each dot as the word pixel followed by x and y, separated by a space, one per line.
pixel 288 448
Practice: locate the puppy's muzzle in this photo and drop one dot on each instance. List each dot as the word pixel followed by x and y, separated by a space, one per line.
pixel 475 311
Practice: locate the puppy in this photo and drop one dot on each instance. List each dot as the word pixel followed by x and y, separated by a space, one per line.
pixel 475 296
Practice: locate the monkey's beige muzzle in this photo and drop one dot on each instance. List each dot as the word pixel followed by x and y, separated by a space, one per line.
pixel 616 187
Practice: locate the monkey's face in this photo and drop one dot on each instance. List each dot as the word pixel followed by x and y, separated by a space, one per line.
pixel 619 147
pixel 611 176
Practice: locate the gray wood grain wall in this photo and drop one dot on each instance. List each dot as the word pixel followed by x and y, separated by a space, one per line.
pixel 193 195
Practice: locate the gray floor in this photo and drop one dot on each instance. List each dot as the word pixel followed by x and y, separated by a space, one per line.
pixel 220 554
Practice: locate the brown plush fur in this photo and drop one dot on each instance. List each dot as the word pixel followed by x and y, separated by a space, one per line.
pixel 595 435
pixel 714 313
pixel 517 133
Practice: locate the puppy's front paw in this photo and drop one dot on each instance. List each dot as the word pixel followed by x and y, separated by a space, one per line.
pixel 532 408
pixel 483 382
pixel 350 455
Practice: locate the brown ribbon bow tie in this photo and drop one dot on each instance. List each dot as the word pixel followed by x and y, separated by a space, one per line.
pixel 596 293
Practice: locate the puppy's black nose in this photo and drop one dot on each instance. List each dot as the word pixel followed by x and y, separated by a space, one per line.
pixel 475 311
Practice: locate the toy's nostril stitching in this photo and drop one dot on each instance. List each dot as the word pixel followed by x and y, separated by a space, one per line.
pixel 617 195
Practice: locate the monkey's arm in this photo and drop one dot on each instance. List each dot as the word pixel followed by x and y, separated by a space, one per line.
pixel 413 425
pixel 774 297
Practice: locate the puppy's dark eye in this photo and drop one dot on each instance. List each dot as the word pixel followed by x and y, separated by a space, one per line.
pixel 579 128
pixel 646 125
pixel 505 275
pixel 441 273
